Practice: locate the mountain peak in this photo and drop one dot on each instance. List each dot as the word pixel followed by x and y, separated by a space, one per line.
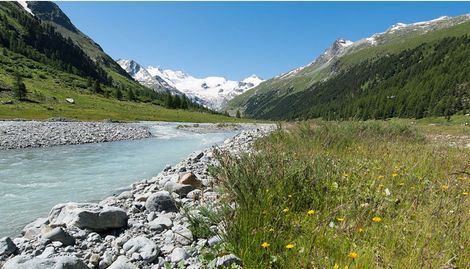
pixel 49 11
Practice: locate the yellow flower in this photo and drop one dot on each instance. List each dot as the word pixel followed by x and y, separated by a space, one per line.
pixel 290 246
pixel 290 195
pixel 353 255
pixel 265 245
pixel 445 187
pixel 381 177
pixel 394 174
pixel 310 212
pixel 336 266
pixel 376 219
pixel 361 230
pixel 271 230
pixel 285 210
pixel 401 184
pixel 340 219
pixel 465 193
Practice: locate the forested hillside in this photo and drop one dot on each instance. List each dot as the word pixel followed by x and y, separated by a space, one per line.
pixel 48 68
pixel 413 70
pixel 430 80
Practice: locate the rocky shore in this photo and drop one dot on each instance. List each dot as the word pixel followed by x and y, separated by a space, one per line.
pixel 33 134
pixel 148 226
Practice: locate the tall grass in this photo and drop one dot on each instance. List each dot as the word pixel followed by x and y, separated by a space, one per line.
pixel 318 194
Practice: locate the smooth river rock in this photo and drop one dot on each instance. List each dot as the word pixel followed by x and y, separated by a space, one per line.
pixel 161 201
pixel 122 263
pixel 144 247
pixel 88 216
pixel 59 262
pixel 58 234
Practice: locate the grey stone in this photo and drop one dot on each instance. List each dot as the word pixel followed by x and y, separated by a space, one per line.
pixel 195 194
pixel 227 260
pixel 161 223
pixel 183 235
pixel 181 189
pixel 88 216
pixel 34 228
pixel 146 248
pixel 7 247
pixel 58 262
pixel 122 263
pixel 58 234
pixel 215 240
pixel 178 254
pixel 161 201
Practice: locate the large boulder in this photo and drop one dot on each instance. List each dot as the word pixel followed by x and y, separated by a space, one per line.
pixel 7 247
pixel 58 234
pixel 190 179
pixel 161 201
pixel 146 249
pixel 88 216
pixel 58 262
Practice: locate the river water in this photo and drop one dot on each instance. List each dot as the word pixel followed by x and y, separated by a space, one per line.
pixel 32 181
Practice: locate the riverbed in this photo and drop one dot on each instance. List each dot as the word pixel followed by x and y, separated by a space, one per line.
pixel 35 179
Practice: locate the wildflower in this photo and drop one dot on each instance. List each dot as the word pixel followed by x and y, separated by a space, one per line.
pixel 381 177
pixel 361 230
pixel 353 255
pixel 290 195
pixel 394 174
pixel 465 193
pixel 265 245
pixel 336 266
pixel 290 246
pixel 445 187
pixel 401 183
pixel 285 210
pixel 340 219
pixel 376 219
pixel 271 230
pixel 310 212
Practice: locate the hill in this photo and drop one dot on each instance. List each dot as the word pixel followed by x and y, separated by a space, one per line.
pixel 66 74
pixel 281 96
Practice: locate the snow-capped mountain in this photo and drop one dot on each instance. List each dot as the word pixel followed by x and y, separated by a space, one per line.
pixel 213 92
pixel 143 76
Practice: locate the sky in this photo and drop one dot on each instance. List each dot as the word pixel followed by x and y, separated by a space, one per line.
pixel 238 39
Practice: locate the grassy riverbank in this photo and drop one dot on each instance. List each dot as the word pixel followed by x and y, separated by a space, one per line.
pixel 358 194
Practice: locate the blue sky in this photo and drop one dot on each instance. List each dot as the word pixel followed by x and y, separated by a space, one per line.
pixel 237 39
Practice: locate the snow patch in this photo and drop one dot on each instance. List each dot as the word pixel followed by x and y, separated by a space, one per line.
pixel 24 4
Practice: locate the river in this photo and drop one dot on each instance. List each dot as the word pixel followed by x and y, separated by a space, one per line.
pixel 33 180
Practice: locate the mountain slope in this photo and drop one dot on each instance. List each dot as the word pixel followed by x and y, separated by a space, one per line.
pixel 430 80
pixel 50 13
pixel 212 92
pixel 62 79
pixel 341 56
